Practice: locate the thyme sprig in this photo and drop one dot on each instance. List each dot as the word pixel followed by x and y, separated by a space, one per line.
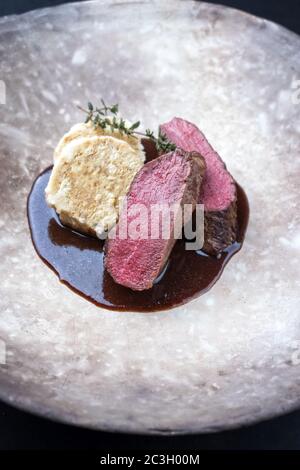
pixel 107 117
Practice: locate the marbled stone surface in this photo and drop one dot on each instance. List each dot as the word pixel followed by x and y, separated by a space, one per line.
pixel 227 358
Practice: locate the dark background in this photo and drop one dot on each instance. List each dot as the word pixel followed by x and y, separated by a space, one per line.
pixel 19 430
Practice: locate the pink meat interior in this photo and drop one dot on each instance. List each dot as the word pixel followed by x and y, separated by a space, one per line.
pixel 218 188
pixel 137 262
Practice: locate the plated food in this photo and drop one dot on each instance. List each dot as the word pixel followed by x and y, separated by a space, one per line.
pixel 225 359
pixel 138 194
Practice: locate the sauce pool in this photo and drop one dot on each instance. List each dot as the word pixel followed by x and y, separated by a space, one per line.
pixel 78 260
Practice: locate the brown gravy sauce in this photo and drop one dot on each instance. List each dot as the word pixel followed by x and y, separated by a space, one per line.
pixel 78 259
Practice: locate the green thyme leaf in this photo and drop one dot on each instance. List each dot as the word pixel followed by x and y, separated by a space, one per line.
pixel 135 126
pixel 107 117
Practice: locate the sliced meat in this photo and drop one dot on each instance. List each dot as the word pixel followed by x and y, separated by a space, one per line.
pixel 173 179
pixel 218 190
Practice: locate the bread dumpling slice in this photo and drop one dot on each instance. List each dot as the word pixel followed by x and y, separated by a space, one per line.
pixel 89 130
pixel 88 179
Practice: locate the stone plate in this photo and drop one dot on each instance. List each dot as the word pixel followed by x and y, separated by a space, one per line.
pixel 228 358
